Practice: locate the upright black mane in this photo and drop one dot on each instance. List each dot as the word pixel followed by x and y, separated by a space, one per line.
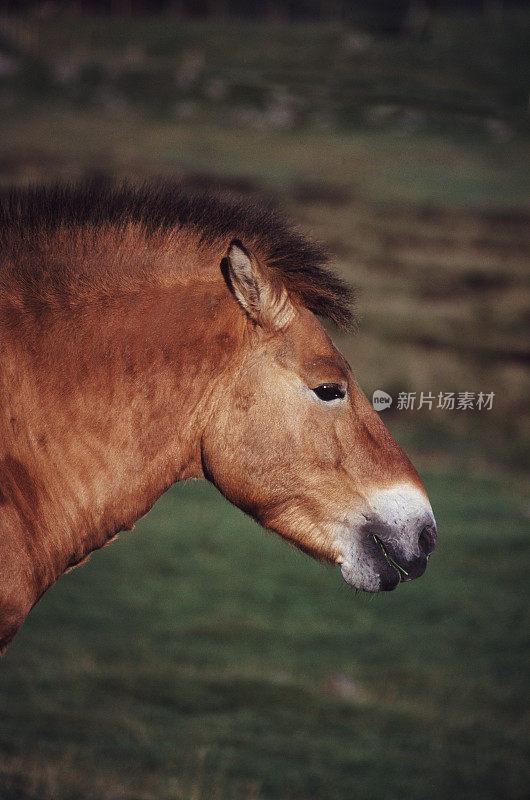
pixel 300 262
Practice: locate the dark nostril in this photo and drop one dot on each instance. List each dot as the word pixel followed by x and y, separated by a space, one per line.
pixel 427 540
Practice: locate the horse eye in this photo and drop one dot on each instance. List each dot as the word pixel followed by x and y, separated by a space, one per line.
pixel 329 391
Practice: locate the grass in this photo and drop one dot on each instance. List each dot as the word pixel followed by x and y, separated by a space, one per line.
pixel 384 118
pixel 200 649
pixel 468 71
pixel 388 558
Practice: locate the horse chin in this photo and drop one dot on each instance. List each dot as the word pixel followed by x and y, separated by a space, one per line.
pixel 371 577
pixel 366 565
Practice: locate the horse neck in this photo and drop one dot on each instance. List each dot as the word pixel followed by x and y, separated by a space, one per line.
pixel 110 412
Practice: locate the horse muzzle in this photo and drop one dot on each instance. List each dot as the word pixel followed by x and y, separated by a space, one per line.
pixel 390 541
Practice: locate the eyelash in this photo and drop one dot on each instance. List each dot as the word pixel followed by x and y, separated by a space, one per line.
pixel 329 391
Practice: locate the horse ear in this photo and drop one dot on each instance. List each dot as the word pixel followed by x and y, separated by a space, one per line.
pixel 264 302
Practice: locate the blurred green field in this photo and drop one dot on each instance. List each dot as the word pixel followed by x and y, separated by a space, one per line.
pixel 199 658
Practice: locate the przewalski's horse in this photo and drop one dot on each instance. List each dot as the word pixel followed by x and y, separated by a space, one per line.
pixel 148 337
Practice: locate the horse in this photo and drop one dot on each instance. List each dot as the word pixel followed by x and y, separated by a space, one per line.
pixel 150 335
